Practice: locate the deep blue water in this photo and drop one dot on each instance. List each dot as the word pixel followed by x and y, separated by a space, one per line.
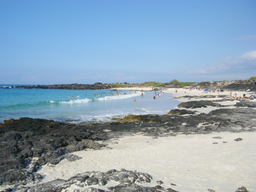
pixel 55 104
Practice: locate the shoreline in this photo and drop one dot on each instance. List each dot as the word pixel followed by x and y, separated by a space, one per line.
pixel 189 159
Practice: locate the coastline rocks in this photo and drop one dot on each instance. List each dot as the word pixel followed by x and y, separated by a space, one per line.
pixel 180 112
pixel 127 181
pixel 18 177
pixel 242 189
pixel 245 103
pixel 198 104
pixel 240 87
pixel 26 144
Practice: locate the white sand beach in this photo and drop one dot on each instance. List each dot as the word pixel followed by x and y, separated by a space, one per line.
pixel 184 162
pixel 194 92
pixel 134 88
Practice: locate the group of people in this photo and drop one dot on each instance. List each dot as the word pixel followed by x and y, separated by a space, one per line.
pixel 241 98
pixel 73 97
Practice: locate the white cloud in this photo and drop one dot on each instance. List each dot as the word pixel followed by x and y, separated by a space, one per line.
pixel 243 66
pixel 249 56
pixel 199 71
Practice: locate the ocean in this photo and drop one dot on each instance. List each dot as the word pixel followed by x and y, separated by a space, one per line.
pixel 86 106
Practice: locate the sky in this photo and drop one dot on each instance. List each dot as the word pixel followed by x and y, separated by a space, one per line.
pixel 133 41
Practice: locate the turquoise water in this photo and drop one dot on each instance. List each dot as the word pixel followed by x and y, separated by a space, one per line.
pixel 55 104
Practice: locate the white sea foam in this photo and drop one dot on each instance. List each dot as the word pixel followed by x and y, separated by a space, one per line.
pixel 102 117
pixel 115 97
pixel 146 110
pixel 76 101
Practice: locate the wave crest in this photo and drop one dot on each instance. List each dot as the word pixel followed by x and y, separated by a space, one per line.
pixel 77 101
pixel 115 97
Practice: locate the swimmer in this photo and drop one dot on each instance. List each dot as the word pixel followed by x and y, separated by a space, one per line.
pixel 154 97
pixel 141 94
pixel 72 97
pixel 134 100
pixel 69 97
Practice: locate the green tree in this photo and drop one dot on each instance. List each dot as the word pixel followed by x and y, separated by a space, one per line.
pixel 252 79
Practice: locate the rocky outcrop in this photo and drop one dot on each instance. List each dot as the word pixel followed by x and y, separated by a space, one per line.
pixel 180 112
pixel 237 85
pixel 198 104
pixel 24 139
pixel 127 181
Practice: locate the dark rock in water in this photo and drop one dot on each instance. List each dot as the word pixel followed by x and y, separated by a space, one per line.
pixel 198 104
pixel 180 112
pixel 242 189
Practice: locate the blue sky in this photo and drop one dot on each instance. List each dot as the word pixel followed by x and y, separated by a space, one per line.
pixel 71 41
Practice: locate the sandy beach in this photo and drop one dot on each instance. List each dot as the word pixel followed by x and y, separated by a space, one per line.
pixel 184 162
pixel 197 162
pixel 134 88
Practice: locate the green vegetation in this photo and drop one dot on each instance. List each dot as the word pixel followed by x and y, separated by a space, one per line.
pixel 153 84
pixel 176 83
pixel 173 83
pixel 119 85
pixel 253 79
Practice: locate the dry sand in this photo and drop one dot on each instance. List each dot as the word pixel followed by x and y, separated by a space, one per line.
pixel 183 162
